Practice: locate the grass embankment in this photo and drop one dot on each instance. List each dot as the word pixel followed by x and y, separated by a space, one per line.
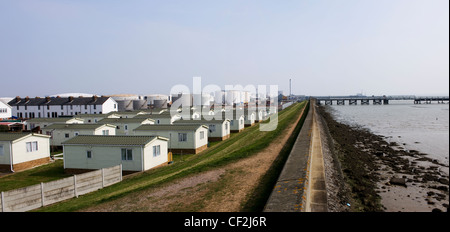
pixel 238 146
pixel 44 173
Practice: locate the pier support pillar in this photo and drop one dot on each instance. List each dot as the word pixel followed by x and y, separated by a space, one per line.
pixel 376 102
pixel 364 102
pixel 341 102
pixel 353 102
pixel 386 102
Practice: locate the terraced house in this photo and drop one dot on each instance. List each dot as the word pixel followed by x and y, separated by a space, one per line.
pixel 55 107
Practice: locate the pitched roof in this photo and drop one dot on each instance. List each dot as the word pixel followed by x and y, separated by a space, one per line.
pixel 123 120
pixel 111 140
pixel 52 120
pixel 158 127
pixel 76 126
pixel 58 101
pixel 200 121
pixel 16 136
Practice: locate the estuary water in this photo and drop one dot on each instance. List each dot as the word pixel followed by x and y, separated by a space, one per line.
pixel 421 127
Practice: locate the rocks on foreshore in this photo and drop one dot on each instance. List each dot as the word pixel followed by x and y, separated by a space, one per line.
pixel 365 157
pixel 398 181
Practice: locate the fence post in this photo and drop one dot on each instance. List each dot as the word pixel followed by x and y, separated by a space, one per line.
pixel 103 178
pixel 42 193
pixel 3 202
pixel 75 185
pixel 120 172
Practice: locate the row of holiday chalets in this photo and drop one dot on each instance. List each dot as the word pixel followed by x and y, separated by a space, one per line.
pixel 93 133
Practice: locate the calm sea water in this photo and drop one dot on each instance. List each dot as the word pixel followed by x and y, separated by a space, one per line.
pixel 421 127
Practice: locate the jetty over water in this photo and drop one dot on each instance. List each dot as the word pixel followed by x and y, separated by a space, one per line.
pixel 379 100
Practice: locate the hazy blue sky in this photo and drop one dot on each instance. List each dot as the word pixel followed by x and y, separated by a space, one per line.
pixel 327 47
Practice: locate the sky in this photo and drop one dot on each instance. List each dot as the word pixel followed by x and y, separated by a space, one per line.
pixel 327 47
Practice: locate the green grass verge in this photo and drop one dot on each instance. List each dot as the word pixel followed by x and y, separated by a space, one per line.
pixel 238 146
pixel 44 173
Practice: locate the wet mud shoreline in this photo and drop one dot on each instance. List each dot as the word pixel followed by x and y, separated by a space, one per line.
pixel 371 174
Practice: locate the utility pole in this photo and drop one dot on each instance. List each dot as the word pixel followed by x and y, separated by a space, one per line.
pixel 290 88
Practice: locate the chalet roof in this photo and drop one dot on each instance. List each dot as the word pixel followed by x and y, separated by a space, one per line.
pixel 200 121
pixel 53 120
pixel 76 126
pixel 123 120
pixel 111 140
pixel 16 136
pixel 159 127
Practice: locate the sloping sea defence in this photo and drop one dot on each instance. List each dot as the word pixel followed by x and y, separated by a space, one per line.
pixel 381 176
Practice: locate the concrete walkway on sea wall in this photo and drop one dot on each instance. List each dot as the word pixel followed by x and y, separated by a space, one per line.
pixel 301 184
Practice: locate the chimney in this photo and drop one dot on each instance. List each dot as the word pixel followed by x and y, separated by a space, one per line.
pixel 70 98
pixel 27 98
pixel 94 98
pixel 47 99
pixel 17 99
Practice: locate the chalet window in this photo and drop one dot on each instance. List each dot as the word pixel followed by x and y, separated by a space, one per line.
pixel 88 154
pixel 62 107
pixel 66 135
pixel 127 154
pixel 226 126
pixel 85 107
pixel 1 150
pixel 202 134
pixel 105 132
pixel 156 150
pixel 32 146
pixel 182 137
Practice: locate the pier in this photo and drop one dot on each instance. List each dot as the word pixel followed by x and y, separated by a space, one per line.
pixel 378 100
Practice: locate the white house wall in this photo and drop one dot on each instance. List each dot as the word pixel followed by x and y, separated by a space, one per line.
pixel 21 155
pixel 75 156
pixel 149 160
pixel 109 105
pixel 48 111
pixel 5 110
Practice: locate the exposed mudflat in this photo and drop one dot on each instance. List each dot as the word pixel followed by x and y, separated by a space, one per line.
pixel 366 173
